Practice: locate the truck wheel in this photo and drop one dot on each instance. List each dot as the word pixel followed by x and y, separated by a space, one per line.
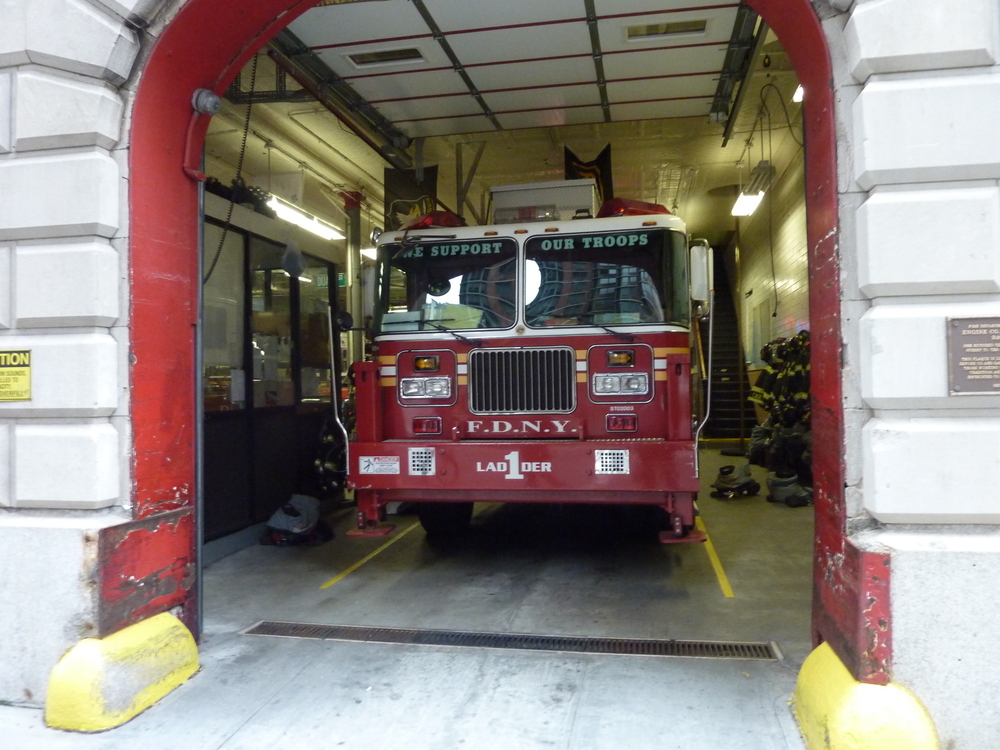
pixel 440 519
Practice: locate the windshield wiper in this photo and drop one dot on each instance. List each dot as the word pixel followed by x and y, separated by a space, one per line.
pixel 613 332
pixel 471 342
pixel 415 239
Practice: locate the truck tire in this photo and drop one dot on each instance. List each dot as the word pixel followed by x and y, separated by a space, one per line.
pixel 441 519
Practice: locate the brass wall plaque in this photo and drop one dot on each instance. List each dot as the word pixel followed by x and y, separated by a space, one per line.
pixel 973 355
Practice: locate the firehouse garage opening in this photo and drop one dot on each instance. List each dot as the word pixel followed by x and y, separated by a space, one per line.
pixel 506 330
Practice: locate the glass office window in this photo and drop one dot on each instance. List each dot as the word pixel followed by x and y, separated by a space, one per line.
pixel 270 325
pixel 224 382
pixel 316 383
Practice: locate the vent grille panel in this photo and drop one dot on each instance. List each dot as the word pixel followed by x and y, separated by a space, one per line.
pixel 519 641
pixel 522 381
pixel 611 462
pixel 422 462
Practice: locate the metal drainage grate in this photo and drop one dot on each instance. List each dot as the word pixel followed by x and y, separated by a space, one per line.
pixel 572 644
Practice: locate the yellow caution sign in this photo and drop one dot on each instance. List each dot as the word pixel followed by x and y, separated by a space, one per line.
pixel 15 375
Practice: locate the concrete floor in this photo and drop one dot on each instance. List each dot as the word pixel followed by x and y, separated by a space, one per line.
pixel 550 570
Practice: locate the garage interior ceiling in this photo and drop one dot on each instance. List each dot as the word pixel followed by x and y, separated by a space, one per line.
pixel 526 79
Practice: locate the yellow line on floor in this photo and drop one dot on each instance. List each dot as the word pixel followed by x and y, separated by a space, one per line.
pixel 369 556
pixel 727 590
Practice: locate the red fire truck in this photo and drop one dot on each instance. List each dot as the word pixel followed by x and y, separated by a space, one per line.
pixel 533 362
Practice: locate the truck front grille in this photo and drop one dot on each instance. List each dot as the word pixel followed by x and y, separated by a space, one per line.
pixel 522 381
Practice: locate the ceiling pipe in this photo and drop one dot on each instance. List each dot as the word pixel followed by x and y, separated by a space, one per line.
pixel 737 62
pixel 400 160
pixel 303 159
pixel 395 157
pixel 758 47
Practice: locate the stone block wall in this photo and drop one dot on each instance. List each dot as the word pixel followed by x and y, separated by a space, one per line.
pixel 64 455
pixel 921 89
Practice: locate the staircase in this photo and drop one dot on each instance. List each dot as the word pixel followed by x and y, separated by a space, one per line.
pixel 728 368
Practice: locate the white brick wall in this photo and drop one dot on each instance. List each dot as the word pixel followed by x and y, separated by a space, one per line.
pixel 785 199
pixel 905 233
pixel 5 287
pixel 906 35
pixel 904 361
pixel 68 35
pixel 932 470
pixel 81 191
pixel 65 466
pixel 6 112
pixel 71 375
pixel 927 129
pixel 60 112
pixel 66 285
pixel 61 281
pixel 927 240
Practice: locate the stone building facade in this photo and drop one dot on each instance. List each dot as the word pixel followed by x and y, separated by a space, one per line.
pixel 96 480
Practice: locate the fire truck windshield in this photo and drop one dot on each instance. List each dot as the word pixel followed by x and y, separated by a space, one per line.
pixel 607 278
pixel 458 284
pixel 625 277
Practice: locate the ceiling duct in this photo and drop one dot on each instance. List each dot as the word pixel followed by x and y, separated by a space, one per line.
pixel 301 64
pixel 745 37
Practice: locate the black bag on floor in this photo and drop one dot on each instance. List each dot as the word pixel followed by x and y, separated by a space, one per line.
pixel 297 523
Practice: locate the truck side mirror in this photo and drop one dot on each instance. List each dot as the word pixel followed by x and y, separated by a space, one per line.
pixel 369 290
pixel 343 320
pixel 702 276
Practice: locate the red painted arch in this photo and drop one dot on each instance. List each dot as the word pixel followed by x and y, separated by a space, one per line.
pixel 204 46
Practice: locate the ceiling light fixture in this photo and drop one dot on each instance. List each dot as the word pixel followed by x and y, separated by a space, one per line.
pixel 753 192
pixel 385 57
pixel 369 252
pixel 300 218
pixel 661 30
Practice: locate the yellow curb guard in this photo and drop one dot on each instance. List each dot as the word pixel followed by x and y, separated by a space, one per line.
pixel 102 683
pixel 835 712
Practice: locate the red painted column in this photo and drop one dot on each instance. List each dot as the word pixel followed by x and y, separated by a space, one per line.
pixel 148 566
pixel 850 587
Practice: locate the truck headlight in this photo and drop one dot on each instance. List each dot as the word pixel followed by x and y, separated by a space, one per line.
pixel 607 384
pixel 438 387
pixel 425 387
pixel 633 384
pixel 412 387
pixel 637 383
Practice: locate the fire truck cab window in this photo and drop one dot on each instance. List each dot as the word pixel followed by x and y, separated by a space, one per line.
pixel 615 278
pixel 447 285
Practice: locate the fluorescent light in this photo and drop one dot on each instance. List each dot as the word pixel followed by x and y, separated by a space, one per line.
pixel 747 204
pixel 299 218
pixel 369 252
pixel 799 93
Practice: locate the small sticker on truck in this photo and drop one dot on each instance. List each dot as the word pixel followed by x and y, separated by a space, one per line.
pixel 378 465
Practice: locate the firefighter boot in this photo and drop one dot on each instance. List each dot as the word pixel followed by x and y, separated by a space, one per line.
pixel 735 481
pixel 788 490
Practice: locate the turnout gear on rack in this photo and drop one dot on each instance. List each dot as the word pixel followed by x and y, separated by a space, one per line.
pixel 783 388
pixel 783 444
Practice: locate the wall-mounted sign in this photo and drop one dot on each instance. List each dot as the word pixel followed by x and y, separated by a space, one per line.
pixel 15 375
pixel 973 355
